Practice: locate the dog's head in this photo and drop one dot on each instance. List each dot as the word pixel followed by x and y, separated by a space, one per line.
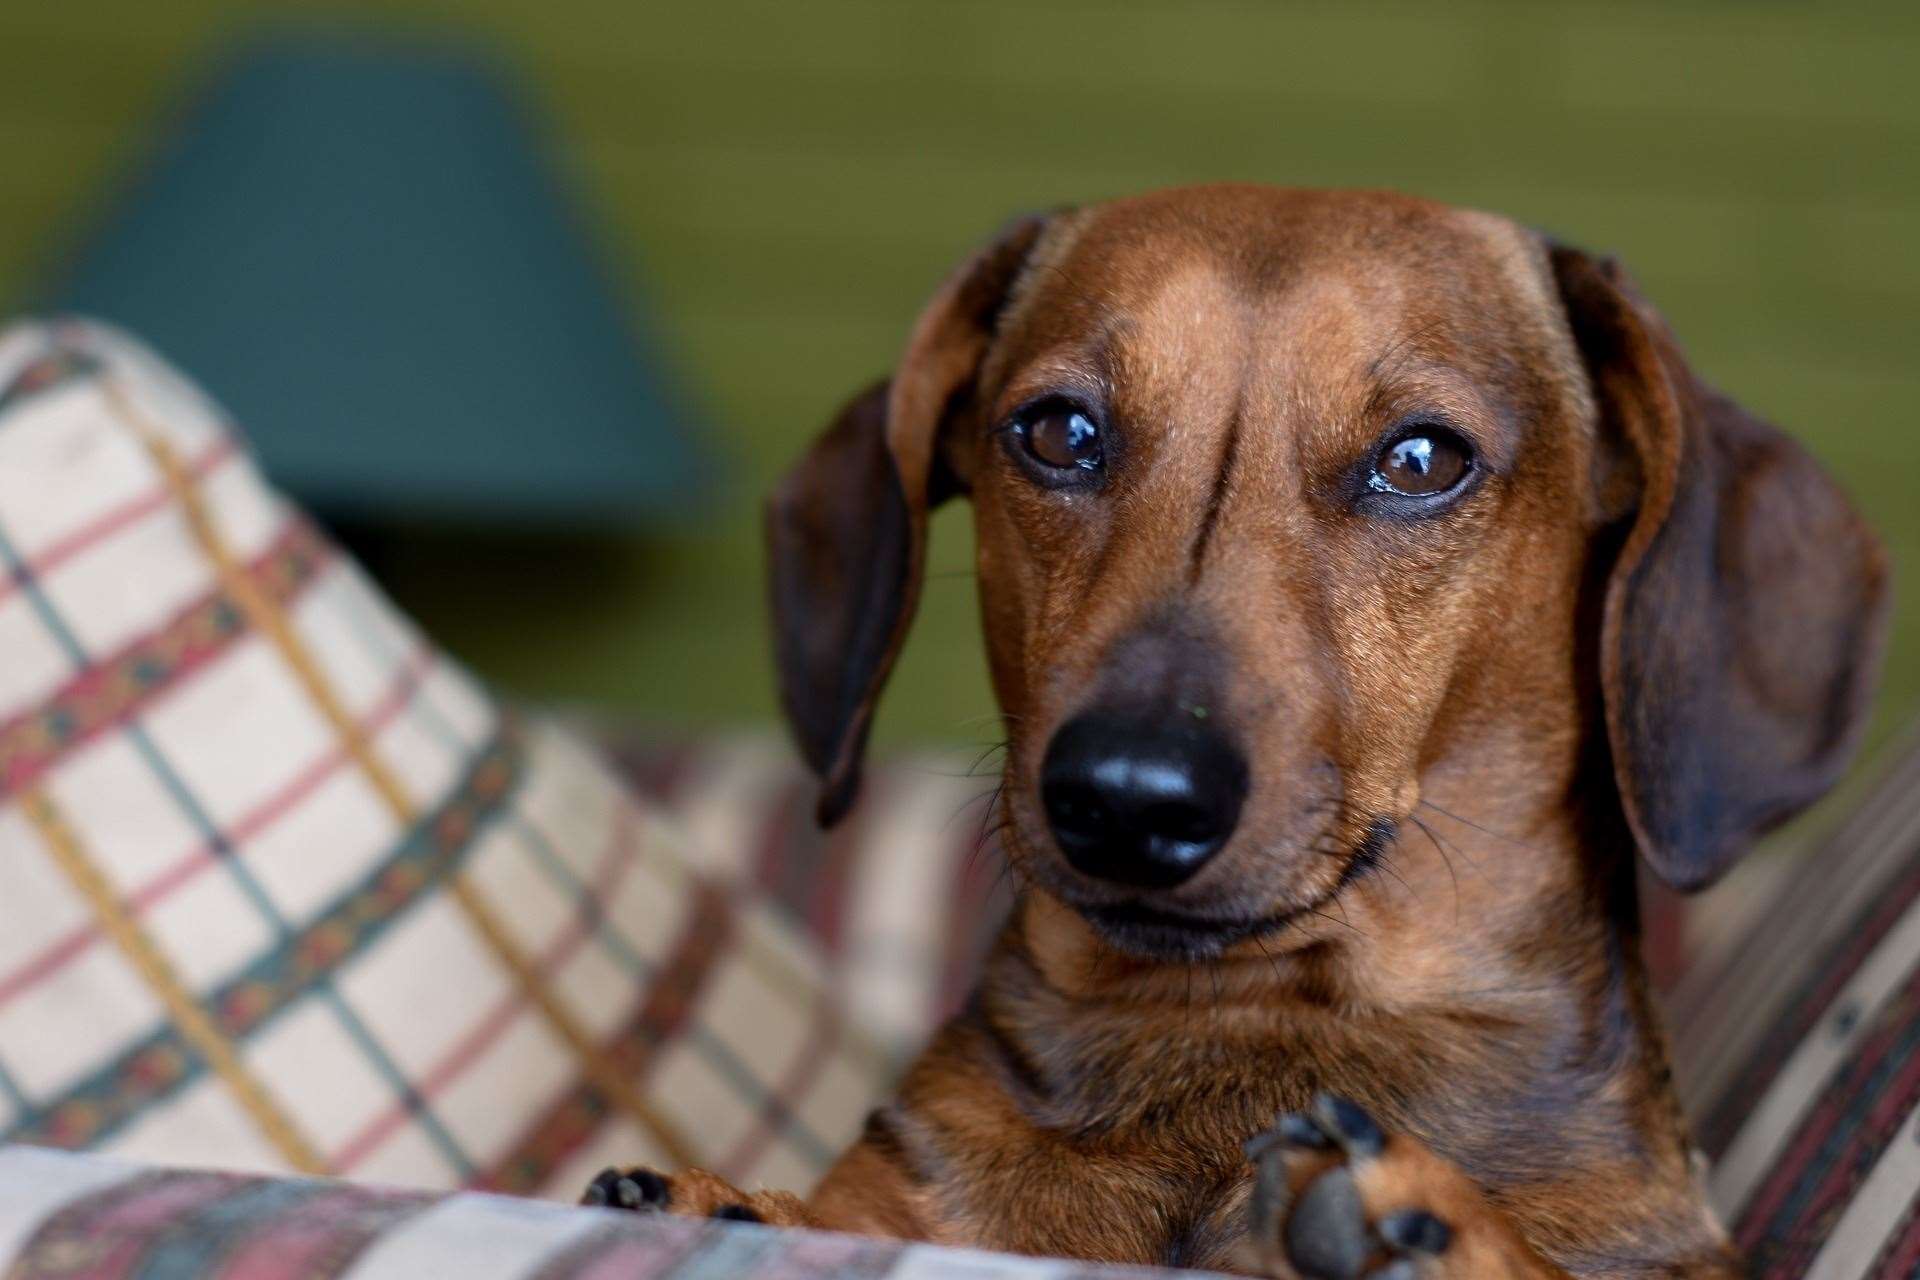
pixel 1290 504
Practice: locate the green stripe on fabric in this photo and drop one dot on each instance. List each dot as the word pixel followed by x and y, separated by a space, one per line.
pixel 163 1063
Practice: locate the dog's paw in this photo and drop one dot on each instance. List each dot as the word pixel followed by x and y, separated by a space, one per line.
pixel 1335 1199
pixel 692 1194
pixel 637 1190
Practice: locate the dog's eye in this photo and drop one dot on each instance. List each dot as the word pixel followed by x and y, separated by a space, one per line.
pixel 1061 436
pixel 1421 463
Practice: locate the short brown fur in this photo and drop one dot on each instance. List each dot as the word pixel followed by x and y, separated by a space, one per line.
pixel 1651 627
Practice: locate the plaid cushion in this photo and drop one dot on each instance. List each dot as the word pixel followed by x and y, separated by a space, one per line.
pixel 902 898
pixel 281 889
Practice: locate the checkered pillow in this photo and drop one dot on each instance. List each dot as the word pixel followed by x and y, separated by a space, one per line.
pixel 281 889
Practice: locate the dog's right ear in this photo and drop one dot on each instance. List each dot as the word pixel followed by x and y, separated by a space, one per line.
pixel 847 528
pixel 1745 610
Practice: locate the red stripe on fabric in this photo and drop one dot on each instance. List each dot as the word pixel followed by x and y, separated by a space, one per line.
pixel 613 866
pixel 63 549
pixel 399 695
pixel 579 1111
pixel 71 945
pixel 47 962
pixel 1852 1163
pixel 823 1034
pixel 1832 972
pixel 670 997
pixel 1894 1100
pixel 468 1048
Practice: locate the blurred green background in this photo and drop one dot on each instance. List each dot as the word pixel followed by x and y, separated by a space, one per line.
pixel 783 183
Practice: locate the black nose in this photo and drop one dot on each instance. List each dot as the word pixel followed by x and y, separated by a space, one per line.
pixel 1141 804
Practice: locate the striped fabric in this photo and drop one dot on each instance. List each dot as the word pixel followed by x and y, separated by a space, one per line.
pixel 66 1217
pixel 1798 1044
pixel 282 890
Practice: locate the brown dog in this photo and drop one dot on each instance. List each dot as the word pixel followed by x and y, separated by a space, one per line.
pixel 1365 582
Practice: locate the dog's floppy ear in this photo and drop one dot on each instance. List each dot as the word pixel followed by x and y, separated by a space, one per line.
pixel 1745 612
pixel 847 529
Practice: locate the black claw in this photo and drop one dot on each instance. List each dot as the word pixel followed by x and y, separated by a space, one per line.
pixel 1327 1232
pixel 1350 1126
pixel 1299 1130
pixel 654 1190
pixel 639 1189
pixel 1292 1129
pixel 736 1213
pixel 1417 1231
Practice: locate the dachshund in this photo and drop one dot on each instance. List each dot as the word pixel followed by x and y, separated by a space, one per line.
pixel 1369 588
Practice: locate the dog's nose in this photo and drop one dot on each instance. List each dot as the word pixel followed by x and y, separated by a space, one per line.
pixel 1142 805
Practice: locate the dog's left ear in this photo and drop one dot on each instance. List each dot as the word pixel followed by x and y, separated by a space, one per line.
pixel 847 528
pixel 1745 612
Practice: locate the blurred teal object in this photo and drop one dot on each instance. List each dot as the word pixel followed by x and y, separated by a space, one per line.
pixel 359 246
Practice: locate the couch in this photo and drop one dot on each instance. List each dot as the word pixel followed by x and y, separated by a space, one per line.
pixel 312 953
